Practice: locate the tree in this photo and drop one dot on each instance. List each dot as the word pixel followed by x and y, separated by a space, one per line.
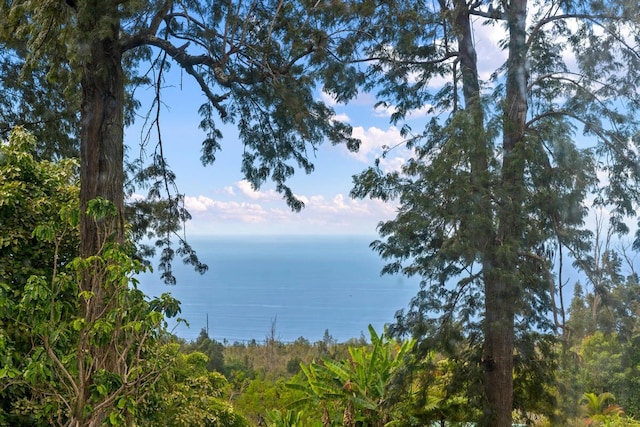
pixel 602 350
pixel 210 348
pixel 188 394
pixel 253 74
pixel 605 358
pixel 85 370
pixel 257 63
pixel 37 104
pixel 499 179
pixel 33 194
pixel 49 373
pixel 580 317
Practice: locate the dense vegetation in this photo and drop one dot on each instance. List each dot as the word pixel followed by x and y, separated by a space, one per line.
pixel 591 378
pixel 595 380
pixel 494 199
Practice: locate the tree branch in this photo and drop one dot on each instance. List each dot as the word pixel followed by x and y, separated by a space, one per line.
pixel 63 370
pixel 585 16
pixel 160 16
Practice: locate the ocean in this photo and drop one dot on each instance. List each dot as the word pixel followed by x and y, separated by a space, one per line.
pixel 301 286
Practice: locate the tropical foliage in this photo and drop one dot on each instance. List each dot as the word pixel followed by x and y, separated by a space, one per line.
pixel 188 394
pixel 49 342
pixel 601 408
pixel 495 198
pixel 55 350
pixel 38 214
pixel 354 390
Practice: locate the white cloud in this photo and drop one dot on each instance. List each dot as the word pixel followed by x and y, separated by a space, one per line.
pixel 205 208
pixel 337 214
pixel 198 203
pixel 136 197
pixel 373 140
pixel 487 44
pixel 328 99
pixel 342 118
pixel 245 188
pixel 391 164
pixel 339 201
pixel 303 199
pixel 424 111
pixel 341 214
pixel 384 110
pixel 316 199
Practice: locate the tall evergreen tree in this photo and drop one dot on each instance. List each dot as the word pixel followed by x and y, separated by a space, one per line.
pixel 500 178
pixel 36 103
pixel 258 64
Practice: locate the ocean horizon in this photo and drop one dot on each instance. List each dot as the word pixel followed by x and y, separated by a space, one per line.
pixel 300 285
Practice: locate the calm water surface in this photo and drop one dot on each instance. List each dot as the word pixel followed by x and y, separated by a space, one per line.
pixel 305 284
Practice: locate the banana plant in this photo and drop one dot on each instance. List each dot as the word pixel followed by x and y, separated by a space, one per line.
pixel 600 408
pixel 289 418
pixel 356 387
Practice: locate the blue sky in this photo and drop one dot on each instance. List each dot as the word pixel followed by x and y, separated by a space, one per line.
pixel 223 203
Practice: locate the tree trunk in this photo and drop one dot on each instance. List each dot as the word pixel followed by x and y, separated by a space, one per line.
pixel 497 357
pixel 101 139
pixel 101 175
pixel 101 147
pixel 498 248
pixel 502 281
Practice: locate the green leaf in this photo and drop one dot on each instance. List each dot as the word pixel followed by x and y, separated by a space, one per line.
pixel 102 389
pixel 78 324
pixel 70 215
pixel 101 208
pixel 45 232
